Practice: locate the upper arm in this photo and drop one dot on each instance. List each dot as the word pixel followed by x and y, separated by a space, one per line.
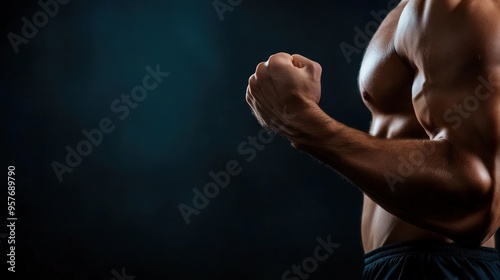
pixel 454 47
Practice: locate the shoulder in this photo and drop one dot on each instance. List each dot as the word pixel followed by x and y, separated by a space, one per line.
pixel 464 25
pixel 384 36
pixel 383 41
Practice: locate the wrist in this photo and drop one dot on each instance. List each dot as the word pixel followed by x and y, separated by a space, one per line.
pixel 310 126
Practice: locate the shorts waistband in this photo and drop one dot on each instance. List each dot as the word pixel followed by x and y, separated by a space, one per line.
pixel 430 248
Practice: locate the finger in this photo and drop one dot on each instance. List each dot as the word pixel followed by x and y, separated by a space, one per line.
pixel 256 109
pixel 261 71
pixel 300 61
pixel 278 60
pixel 252 81
pixel 249 97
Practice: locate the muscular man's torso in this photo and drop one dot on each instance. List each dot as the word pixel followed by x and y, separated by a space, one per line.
pixel 421 64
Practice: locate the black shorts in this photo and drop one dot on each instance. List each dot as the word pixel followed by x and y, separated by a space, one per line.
pixel 431 260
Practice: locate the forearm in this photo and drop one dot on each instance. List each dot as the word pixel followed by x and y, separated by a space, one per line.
pixel 450 192
pixel 430 183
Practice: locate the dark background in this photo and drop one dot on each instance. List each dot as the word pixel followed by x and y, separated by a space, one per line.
pixel 119 207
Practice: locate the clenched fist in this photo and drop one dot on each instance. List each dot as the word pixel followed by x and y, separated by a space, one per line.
pixel 282 88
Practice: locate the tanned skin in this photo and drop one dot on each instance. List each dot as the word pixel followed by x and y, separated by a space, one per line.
pixel 431 78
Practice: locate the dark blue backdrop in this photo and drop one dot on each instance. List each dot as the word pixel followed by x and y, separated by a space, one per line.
pixel 118 208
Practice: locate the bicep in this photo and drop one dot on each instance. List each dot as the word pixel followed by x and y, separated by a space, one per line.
pixel 471 124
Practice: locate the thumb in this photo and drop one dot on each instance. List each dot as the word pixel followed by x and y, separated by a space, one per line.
pixel 300 61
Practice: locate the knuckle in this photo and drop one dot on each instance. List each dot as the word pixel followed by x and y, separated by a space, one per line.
pixel 249 99
pixel 317 67
pixel 260 71
pixel 283 54
pixel 271 60
pixel 274 64
pixel 279 57
pixel 252 81
pixel 298 56
pixel 261 65
pixel 251 78
pixel 273 56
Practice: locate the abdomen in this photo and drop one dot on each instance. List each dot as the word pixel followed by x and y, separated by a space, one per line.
pixel 380 228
